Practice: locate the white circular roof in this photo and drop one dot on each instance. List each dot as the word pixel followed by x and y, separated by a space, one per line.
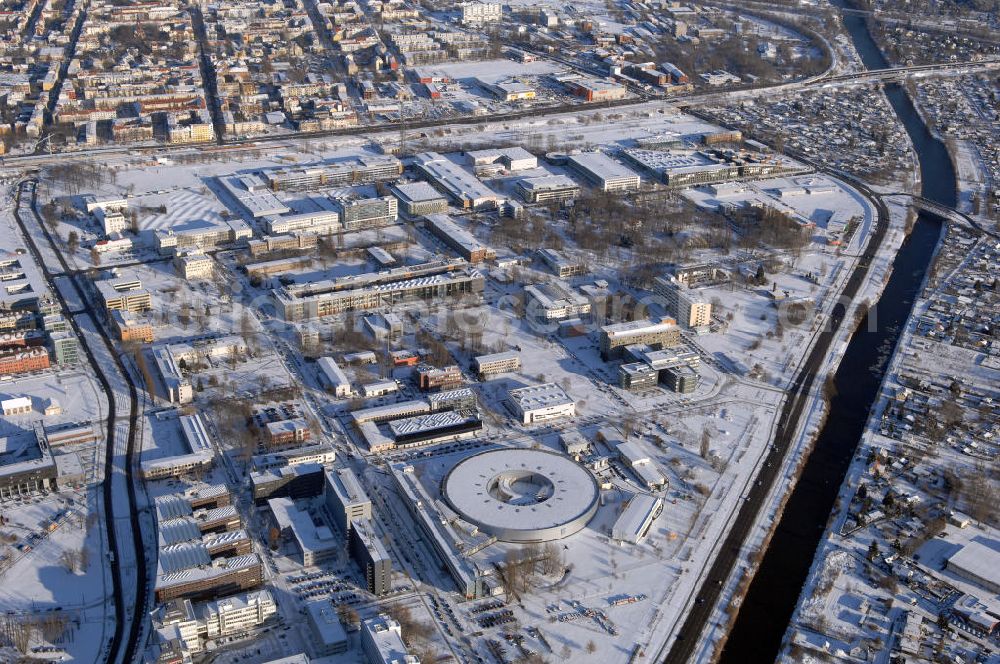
pixel 522 494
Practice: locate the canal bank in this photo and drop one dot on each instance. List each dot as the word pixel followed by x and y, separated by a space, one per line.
pixel 767 608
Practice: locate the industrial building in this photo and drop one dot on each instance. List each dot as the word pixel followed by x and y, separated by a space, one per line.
pixel 495 160
pixel 438 279
pixel 540 403
pixel 593 89
pixel 634 458
pixel 603 172
pixel 458 238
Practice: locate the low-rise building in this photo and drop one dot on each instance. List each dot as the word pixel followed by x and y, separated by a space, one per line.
pixel 237 614
pixel 458 238
pixel 547 188
pixel 554 301
pixel 496 363
pixel 382 642
pixel 636 519
pixel 419 198
pixel 634 458
pixel 561 266
pixel 130 327
pixel 125 293
pixel 604 172
pixel 311 537
pixel 540 403
pixel 434 379
pixel 194 265
pixel 657 334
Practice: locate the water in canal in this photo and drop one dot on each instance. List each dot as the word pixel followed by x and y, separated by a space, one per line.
pixel 767 609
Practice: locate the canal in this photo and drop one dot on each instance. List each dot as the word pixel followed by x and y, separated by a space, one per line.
pixel 774 592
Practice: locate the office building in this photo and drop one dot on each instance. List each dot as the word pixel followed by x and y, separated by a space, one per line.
pixel 657 334
pixel 496 363
pixel 419 198
pixel 682 379
pixel 540 403
pixel 371 556
pixel 311 537
pixel 382 642
pixel 547 188
pixel 194 265
pixel 603 172
pixel 362 213
pixel 199 454
pixel 237 614
pixel 439 279
pixel 297 482
pixel 561 266
pixel 130 327
pixel 433 379
pixel 26 465
pixel 65 348
pixel 357 170
pixel 464 188
pixel 554 301
pixel 314 223
pixel 635 376
pixel 327 634
pixel 458 238
pixel 688 306
pixel 345 499
pixel 125 293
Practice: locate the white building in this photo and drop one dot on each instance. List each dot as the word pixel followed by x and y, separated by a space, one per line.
pixel 382 642
pixel 335 377
pixel 634 522
pixel 640 464
pixel 539 403
pixel 477 13
pixel 497 363
pixel 194 265
pixel 604 172
pixel 16 406
pixel 237 614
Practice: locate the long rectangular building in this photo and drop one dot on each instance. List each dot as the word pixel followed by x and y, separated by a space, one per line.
pixel 358 170
pixel 463 187
pixel 659 334
pixel 604 172
pixel 365 292
pixel 458 238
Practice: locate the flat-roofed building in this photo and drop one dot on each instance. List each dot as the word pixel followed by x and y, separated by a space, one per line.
pixel 687 305
pixel 637 376
pixel 357 170
pixel 658 334
pixel 237 614
pixel 382 642
pixel 463 187
pixel 540 403
pixel 554 301
pixel 327 634
pixel 512 158
pixel 604 172
pixel 124 293
pixel 194 265
pixel 186 571
pixel 345 499
pixel 371 556
pixel 334 377
pixel 362 213
pixel 496 363
pixel 419 198
pixel 546 188
pixel 199 455
pixel 978 563
pixel 634 458
pixel 439 279
pixel 593 89
pixel 637 518
pixel 435 427
pixel 681 379
pixel 296 522
pixel 434 379
pixel 458 238
pixel 319 223
pixel 130 327
pixel 561 266
pixel 27 466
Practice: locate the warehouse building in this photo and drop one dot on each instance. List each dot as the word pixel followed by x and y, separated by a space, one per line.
pixel 634 458
pixel 978 563
pixel 635 521
pixel 495 160
pixel 334 377
pixel 603 172
pixel 435 427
